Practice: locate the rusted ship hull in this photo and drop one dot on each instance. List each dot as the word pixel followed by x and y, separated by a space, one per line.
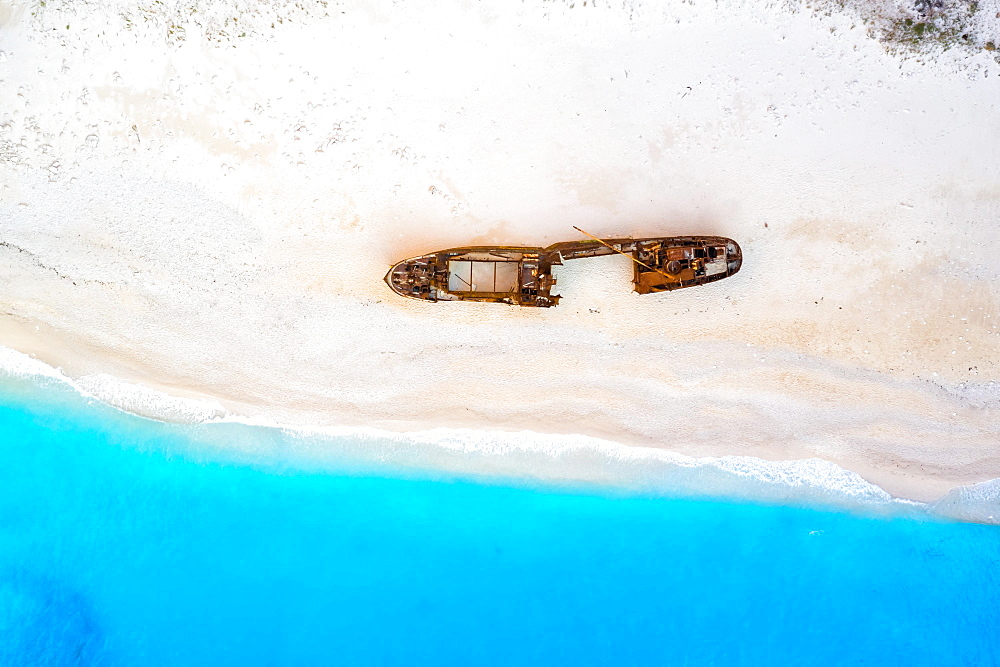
pixel 523 276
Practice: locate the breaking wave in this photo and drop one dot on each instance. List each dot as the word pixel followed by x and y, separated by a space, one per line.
pixel 569 461
pixel 126 396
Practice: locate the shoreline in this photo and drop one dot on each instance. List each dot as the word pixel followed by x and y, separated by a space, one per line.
pixel 568 462
pixel 900 479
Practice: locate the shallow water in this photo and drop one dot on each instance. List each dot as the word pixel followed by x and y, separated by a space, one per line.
pixel 127 541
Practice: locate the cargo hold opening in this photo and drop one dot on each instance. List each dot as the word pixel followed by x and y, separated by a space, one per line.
pixel 487 277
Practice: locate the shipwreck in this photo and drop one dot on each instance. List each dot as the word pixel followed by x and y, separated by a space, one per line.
pixel 523 276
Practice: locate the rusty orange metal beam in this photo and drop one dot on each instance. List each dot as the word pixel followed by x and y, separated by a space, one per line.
pixel 669 276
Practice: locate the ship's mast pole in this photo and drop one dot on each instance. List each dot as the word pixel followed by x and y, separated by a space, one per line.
pixel 634 259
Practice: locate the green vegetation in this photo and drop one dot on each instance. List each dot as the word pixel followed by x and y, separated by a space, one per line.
pixel 919 28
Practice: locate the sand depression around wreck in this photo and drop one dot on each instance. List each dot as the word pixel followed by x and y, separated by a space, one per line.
pixel 206 201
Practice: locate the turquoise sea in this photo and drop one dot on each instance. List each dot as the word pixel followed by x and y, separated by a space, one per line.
pixel 126 541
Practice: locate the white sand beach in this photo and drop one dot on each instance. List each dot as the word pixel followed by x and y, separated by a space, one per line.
pixel 204 198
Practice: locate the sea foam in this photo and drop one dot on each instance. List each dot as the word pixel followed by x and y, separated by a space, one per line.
pixel 148 402
pixel 572 460
pixel 126 396
pixel 565 460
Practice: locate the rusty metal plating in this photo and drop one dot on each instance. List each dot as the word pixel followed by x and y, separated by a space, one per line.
pixel 523 276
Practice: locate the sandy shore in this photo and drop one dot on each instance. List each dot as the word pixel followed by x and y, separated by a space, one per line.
pixel 206 202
